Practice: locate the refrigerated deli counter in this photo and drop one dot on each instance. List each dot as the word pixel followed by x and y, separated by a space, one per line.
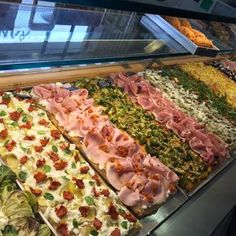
pixel 115 122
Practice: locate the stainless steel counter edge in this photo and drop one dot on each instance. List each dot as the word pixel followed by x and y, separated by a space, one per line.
pixel 204 210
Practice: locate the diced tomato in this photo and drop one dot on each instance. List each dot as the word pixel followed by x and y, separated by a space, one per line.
pixel 23 160
pixel 84 169
pixel 84 211
pixel 40 162
pixel 115 232
pixel 68 195
pixel 97 223
pixel 1 92
pixel 60 165
pixel 38 148
pixel 61 211
pixel 36 192
pixel 53 156
pixel 54 185
pixel 40 177
pixel 29 137
pixel 5 100
pixel 130 218
pixel 79 183
pixel 105 192
pixel 10 146
pixel 1 120
pixel 62 229
pixel 95 192
pixel 30 100
pixel 43 122
pixel 97 179
pixel 55 134
pixel 4 133
pixel 44 141
pixel 31 108
pixel 113 212
pixel 64 146
pixel 27 125
pixel 15 115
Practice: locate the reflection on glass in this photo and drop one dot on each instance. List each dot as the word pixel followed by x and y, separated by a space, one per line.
pixel 46 32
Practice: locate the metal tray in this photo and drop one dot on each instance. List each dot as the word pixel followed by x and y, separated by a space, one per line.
pixel 180 38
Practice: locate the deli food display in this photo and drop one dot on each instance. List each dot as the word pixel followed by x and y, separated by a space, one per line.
pixel 99 155
pixel 185 27
pixel 227 67
pixel 70 194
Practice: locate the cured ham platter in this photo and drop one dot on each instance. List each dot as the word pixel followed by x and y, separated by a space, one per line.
pixel 118 155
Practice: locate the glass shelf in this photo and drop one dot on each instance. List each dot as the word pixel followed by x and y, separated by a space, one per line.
pixel 51 35
pixel 47 33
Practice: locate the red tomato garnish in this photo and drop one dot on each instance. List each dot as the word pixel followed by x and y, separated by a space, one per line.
pixel 27 125
pixel 30 100
pixel 62 229
pixel 113 212
pixel 40 162
pixel 29 137
pixel 15 115
pixel 130 218
pixel 68 195
pixel 38 148
pixel 115 232
pixel 61 211
pixel 31 108
pixel 10 146
pixel 23 160
pixel 40 177
pixel 36 192
pixel 79 183
pixel 64 146
pixel 43 122
pixel 60 165
pixel 53 156
pixel 44 141
pixel 84 211
pixel 97 179
pixel 95 192
pixel 4 133
pixel 55 134
pixel 97 223
pixel 105 192
pixel 1 92
pixel 84 169
pixel 54 185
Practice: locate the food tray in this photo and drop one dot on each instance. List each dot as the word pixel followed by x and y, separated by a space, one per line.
pixel 39 211
pixel 173 203
pixel 182 39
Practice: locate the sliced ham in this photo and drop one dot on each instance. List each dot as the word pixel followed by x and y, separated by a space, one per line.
pixel 166 112
pixel 126 165
pixel 129 197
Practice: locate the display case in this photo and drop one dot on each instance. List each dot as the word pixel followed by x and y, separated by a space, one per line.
pixel 141 101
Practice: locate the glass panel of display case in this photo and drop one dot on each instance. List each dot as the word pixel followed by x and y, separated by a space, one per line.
pixel 45 32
